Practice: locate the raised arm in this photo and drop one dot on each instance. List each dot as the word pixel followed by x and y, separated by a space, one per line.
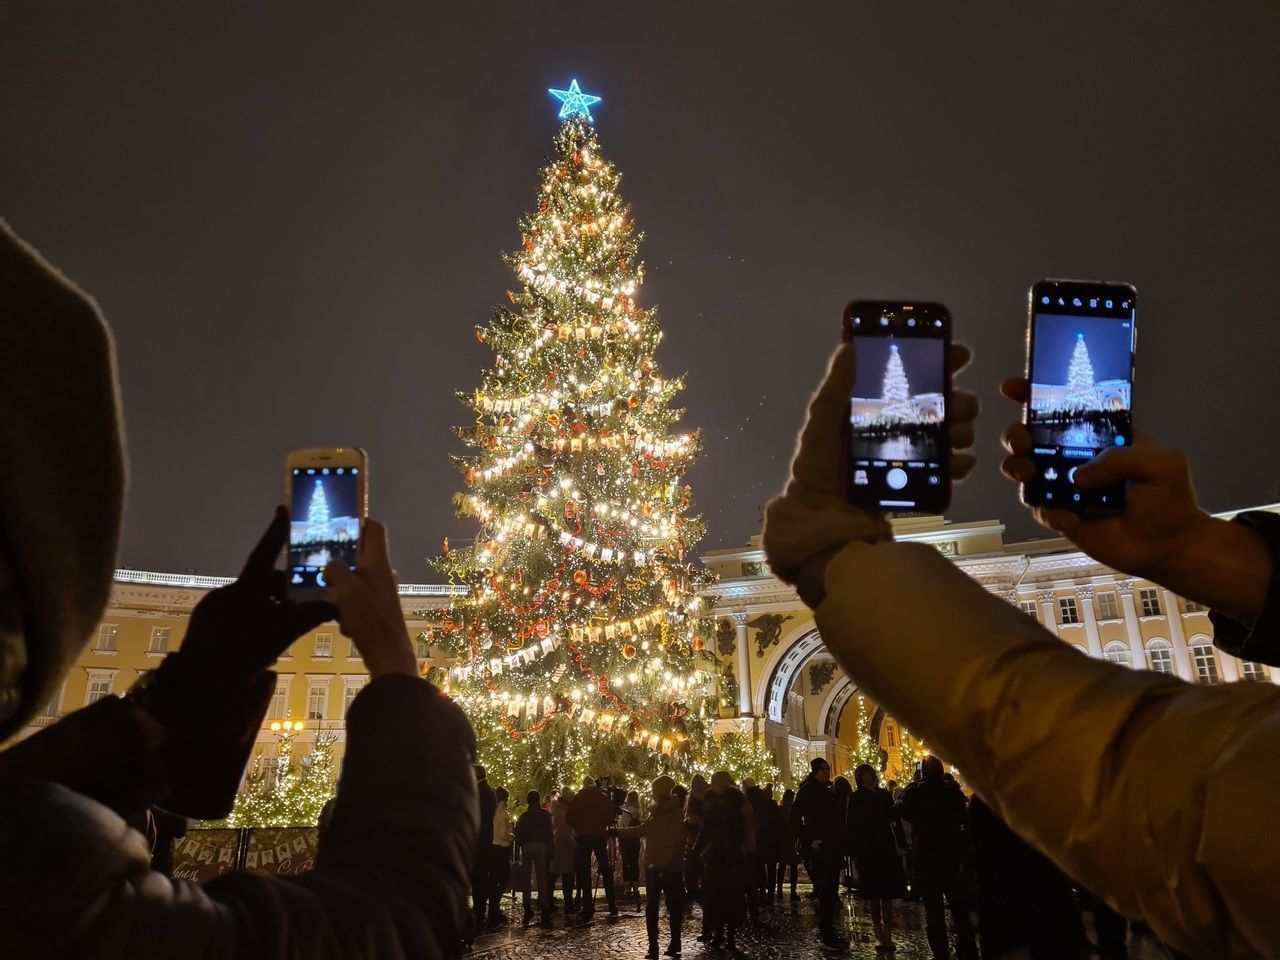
pixel 1143 788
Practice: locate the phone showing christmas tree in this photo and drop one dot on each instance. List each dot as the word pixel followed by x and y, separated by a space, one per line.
pixel 897 445
pixel 1080 346
pixel 326 493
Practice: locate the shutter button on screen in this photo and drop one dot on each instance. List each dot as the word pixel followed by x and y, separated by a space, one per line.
pixel 896 478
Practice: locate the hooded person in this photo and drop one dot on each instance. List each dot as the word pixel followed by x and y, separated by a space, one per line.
pixel 664 836
pixel 390 875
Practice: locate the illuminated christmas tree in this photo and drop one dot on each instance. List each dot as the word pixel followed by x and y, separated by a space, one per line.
pixel 1081 394
pixel 283 791
pixel 864 749
pixel 318 513
pixel 896 392
pixel 579 648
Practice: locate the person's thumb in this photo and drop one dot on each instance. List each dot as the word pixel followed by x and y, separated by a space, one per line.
pixel 817 460
pixel 1119 464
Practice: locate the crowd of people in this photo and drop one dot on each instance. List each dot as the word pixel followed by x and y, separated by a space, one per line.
pixel 731 847
pixel 1147 792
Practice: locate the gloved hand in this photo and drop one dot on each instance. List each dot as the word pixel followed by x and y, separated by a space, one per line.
pixel 812 520
pixel 211 695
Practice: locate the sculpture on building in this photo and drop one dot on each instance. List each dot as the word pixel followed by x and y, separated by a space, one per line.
pixel 769 630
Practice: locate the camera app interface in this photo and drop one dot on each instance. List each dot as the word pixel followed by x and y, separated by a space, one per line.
pixel 897 415
pixel 1081 389
pixel 324 522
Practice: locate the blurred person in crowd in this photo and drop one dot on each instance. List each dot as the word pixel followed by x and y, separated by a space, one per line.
pixel 788 857
pixel 938 814
pixel 817 818
pixel 874 849
pixel 721 844
pixel 590 814
pixel 535 837
pixel 500 859
pixel 663 833
pixel 564 852
pixel 629 845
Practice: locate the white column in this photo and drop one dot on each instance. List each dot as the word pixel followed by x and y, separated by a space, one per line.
pixel 1049 610
pixel 744 666
pixel 1230 667
pixel 1181 656
pixel 1085 600
pixel 1137 650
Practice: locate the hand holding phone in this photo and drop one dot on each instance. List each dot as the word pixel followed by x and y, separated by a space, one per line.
pixel 369 607
pixel 1080 349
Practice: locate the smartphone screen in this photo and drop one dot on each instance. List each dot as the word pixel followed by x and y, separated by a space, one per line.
pixel 897 445
pixel 325 514
pixel 1080 362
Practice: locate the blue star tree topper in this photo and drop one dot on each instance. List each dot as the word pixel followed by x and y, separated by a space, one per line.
pixel 574 101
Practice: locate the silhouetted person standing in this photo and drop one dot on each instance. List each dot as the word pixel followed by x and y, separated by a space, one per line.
pixel 483 889
pixel 590 815
pixel 938 812
pixel 817 820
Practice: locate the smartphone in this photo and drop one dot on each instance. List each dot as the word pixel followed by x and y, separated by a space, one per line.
pixel 1081 337
pixel 326 491
pixel 897 451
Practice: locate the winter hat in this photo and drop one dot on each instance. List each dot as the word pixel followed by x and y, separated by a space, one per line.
pixel 62 477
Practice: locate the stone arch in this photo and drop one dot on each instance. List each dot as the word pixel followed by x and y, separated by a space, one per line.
pixel 834 703
pixel 793 652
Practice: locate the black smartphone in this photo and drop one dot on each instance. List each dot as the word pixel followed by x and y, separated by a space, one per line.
pixel 897 451
pixel 1081 337
pixel 326 491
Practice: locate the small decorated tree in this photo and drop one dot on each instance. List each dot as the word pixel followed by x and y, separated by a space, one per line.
pixel 284 790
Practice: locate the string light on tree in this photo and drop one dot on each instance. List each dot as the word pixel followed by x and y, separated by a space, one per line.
pixel 578 647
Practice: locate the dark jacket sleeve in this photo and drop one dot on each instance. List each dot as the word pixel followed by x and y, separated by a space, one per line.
pixel 390 877
pixel 98 752
pixel 1259 641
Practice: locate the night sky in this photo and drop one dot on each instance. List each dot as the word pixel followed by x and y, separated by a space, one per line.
pixel 293 212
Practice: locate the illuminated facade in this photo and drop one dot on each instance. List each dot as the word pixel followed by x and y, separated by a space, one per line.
pixel 789 690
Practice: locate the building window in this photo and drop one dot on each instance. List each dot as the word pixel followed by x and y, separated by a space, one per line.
pixel 1068 612
pixel 108 635
pixel 1108 609
pixel 1193 607
pixel 99 687
pixel 1150 597
pixel 1160 656
pixel 1030 608
pixel 1206 663
pixel 1254 671
pixel 317 695
pixel 1117 653
pixel 424 648
pixel 54 705
pixel 354 652
pixel 324 646
pixel 891 735
pixel 159 640
pixel 350 690
pixel 279 705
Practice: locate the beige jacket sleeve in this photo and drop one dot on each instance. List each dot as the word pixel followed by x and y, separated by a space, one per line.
pixel 1153 793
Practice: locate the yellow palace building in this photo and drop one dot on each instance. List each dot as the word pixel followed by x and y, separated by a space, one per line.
pixel 789 691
